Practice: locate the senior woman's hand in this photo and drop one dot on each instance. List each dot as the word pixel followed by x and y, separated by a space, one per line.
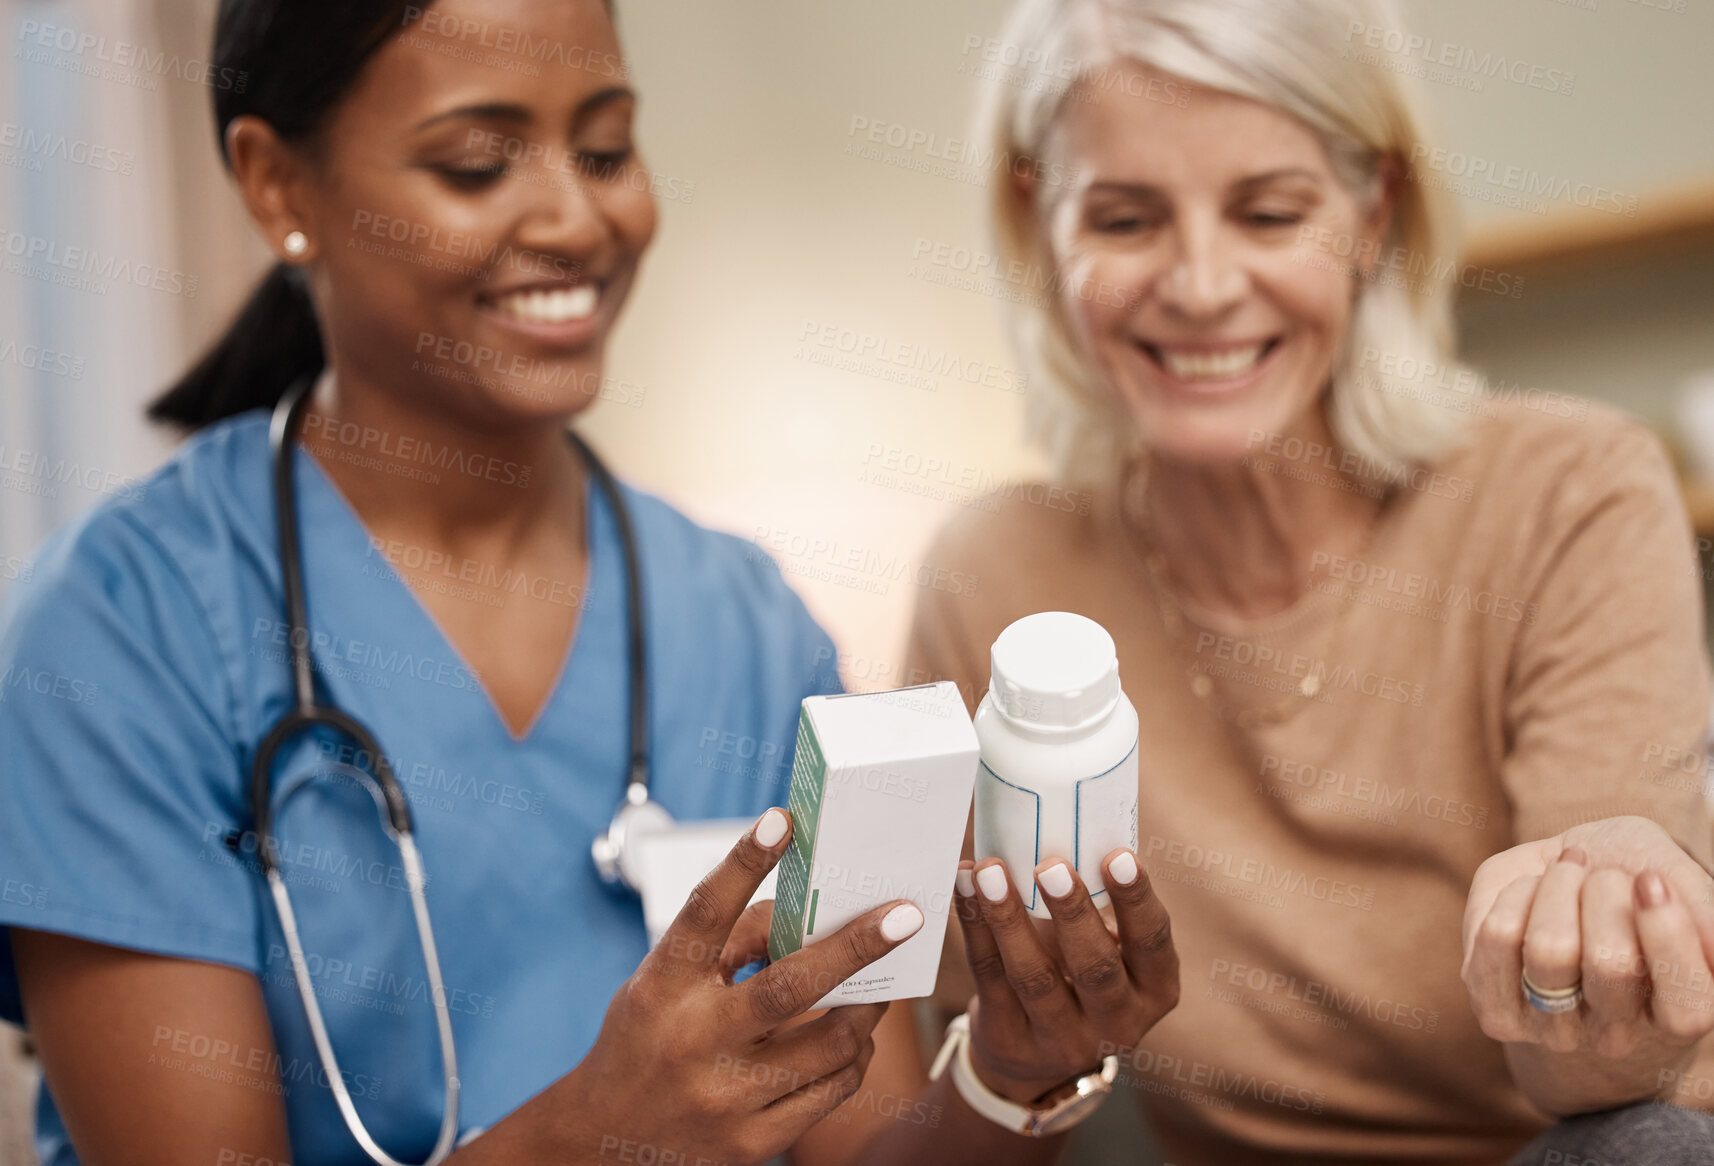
pixel 1051 1001
pixel 1614 906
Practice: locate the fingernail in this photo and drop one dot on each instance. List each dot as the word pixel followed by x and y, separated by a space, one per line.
pixel 966 882
pixel 1055 880
pixel 992 880
pixel 1574 854
pixel 901 922
pixel 1123 870
pixel 1651 890
pixel 770 828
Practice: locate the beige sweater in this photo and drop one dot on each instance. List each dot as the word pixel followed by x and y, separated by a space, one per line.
pixel 1519 650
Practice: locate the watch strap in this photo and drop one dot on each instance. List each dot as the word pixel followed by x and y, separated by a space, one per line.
pixel 1002 1111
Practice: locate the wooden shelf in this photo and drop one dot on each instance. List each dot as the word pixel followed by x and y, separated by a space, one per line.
pixel 1668 222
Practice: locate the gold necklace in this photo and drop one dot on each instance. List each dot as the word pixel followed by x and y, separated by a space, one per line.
pixel 1133 490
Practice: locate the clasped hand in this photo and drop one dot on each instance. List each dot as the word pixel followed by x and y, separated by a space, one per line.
pixel 1614 907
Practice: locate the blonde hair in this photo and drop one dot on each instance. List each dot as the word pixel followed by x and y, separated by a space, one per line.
pixel 1297 56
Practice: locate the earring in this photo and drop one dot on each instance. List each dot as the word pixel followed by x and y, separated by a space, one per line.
pixel 297 244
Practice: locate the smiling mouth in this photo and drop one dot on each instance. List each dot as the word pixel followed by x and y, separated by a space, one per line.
pixel 1209 364
pixel 543 305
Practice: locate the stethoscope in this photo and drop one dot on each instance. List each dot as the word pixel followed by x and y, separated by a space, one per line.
pixel 614 857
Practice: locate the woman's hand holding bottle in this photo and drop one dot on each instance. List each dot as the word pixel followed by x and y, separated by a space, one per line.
pixel 1053 1000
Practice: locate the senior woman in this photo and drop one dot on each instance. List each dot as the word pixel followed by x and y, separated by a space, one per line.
pixel 1402 654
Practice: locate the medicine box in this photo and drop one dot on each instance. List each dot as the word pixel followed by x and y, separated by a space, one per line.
pixel 880 797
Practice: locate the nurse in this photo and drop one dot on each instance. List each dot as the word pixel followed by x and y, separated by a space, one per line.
pixel 456 237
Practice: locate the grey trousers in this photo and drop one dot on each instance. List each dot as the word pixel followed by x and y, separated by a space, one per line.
pixel 1637 1135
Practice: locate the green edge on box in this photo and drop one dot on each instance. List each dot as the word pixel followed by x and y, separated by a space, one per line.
pixel 794 906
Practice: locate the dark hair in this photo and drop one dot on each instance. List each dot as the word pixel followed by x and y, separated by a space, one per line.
pixel 288 62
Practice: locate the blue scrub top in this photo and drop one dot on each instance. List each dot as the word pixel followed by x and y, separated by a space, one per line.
pixel 145 658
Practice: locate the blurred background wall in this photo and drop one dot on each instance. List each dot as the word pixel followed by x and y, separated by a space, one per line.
pixel 793 242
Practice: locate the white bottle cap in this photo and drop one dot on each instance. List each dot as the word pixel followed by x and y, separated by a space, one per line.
pixel 1054 672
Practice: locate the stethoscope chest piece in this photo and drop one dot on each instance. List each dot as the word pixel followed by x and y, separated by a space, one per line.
pixel 616 852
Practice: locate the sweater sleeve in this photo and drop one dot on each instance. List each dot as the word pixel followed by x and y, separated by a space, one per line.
pixel 1607 693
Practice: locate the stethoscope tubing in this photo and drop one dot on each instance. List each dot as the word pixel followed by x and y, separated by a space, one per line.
pixel 308 714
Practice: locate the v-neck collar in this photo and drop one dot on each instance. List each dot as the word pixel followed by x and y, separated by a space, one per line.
pixel 327 496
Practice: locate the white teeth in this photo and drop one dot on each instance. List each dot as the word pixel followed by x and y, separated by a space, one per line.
pixel 1210 365
pixel 560 306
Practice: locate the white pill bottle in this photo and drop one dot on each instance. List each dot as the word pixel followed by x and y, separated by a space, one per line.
pixel 1059 753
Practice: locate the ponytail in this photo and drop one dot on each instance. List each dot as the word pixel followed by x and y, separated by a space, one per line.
pixel 268 347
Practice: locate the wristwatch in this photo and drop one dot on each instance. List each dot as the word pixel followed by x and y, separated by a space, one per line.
pixel 1091 1090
